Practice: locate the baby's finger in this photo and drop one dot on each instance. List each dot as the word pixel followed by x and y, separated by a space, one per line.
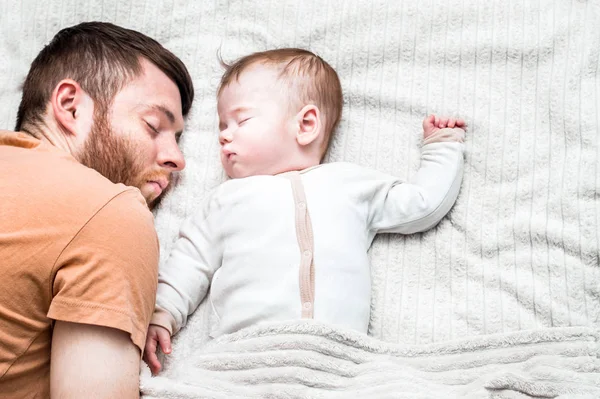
pixel 460 122
pixel 451 123
pixel 150 356
pixel 429 122
pixel 165 341
pixel 153 363
pixel 443 123
pixel 150 347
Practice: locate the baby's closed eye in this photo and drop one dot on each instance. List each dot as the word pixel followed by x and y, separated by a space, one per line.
pixel 244 120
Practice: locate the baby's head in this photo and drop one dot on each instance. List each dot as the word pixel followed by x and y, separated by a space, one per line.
pixel 277 112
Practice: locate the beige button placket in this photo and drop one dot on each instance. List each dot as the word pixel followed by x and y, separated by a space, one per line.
pixel 304 235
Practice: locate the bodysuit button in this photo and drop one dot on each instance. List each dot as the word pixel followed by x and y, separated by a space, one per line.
pixel 306 305
pixel 301 205
pixel 307 253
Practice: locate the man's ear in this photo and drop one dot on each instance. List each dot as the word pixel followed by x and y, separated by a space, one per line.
pixel 309 124
pixel 72 108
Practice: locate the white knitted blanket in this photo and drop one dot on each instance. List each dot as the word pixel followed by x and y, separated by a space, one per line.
pixel 311 360
pixel 516 259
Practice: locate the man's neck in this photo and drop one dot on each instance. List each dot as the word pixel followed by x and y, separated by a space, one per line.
pixel 50 134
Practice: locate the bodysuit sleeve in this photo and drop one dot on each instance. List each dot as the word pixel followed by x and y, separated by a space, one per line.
pixel 107 274
pixel 418 205
pixel 184 279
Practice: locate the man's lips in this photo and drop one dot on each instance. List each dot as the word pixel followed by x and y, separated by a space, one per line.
pixel 161 183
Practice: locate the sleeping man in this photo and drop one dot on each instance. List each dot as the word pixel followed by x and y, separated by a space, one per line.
pixel 96 144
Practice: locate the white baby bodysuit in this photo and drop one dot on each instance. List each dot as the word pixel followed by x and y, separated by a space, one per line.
pixel 244 243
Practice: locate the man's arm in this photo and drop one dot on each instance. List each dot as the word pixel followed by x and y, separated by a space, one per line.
pixel 93 362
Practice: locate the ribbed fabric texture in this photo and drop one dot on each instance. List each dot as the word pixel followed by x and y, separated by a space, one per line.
pixel 520 249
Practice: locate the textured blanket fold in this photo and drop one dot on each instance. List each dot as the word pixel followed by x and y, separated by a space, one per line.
pixel 312 360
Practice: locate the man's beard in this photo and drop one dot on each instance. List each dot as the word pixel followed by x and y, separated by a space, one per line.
pixel 113 156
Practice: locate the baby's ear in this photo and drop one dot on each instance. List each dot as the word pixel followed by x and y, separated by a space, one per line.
pixel 309 124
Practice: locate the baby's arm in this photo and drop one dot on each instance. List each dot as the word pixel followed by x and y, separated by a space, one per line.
pixel 421 203
pixel 182 283
pixel 184 280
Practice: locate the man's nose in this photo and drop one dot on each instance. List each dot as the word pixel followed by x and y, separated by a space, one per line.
pixel 170 156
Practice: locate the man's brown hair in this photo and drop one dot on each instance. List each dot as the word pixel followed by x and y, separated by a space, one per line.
pixel 102 58
pixel 305 73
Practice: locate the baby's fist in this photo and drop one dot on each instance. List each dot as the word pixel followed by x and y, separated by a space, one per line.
pixel 432 124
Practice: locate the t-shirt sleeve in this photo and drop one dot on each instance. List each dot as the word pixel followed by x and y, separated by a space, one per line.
pixel 107 275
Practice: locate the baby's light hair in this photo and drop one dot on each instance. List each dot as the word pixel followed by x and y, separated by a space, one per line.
pixel 305 73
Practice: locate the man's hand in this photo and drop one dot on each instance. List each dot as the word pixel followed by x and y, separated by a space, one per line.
pixel 157 335
pixel 432 124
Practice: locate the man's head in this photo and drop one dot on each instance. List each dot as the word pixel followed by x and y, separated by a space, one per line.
pixel 277 111
pixel 115 97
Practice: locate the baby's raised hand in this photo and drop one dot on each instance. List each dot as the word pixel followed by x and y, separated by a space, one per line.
pixel 157 335
pixel 432 124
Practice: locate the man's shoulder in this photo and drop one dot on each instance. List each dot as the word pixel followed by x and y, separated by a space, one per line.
pixel 85 187
pixel 97 197
pixel 44 180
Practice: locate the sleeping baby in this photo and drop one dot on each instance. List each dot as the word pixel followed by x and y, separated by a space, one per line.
pixel 287 237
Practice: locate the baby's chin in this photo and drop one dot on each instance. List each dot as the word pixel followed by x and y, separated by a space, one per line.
pixel 236 171
pixel 237 174
pixel 242 175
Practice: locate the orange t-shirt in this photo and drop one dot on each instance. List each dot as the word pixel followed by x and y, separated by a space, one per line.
pixel 73 247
